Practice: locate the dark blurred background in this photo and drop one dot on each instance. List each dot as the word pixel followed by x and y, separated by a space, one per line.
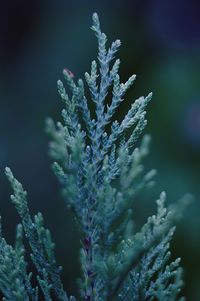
pixel 161 44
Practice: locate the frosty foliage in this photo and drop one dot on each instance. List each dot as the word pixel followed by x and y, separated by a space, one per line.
pixel 99 164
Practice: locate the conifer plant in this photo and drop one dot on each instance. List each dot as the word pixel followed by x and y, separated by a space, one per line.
pixel 99 163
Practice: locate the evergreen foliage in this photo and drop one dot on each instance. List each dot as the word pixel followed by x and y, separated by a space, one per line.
pixel 99 164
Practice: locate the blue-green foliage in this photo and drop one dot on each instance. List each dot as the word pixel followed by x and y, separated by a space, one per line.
pixel 100 169
pixel 42 253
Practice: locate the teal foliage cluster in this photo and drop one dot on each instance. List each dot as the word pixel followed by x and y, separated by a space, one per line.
pixel 99 164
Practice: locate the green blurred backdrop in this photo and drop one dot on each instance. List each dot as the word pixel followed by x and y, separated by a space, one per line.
pixel 161 44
